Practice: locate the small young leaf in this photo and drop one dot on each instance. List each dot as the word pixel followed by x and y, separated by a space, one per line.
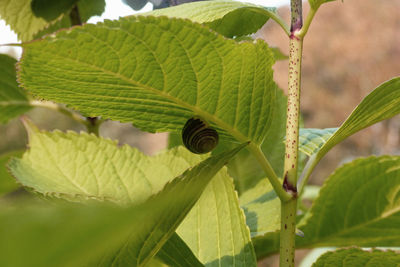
pixel 356 257
pixel 229 18
pixel 156 73
pixel 311 140
pixel 215 229
pixel 13 100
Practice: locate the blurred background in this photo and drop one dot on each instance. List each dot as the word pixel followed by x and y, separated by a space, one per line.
pixel 350 49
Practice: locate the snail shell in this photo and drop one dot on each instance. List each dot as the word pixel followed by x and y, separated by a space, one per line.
pixel 198 136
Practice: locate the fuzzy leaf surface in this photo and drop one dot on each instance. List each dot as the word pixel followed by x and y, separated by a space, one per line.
pixel 355 257
pixel 215 229
pixel 168 208
pixel 229 18
pixel 102 230
pixel 156 73
pixel 343 216
pixel 76 166
pixel 13 100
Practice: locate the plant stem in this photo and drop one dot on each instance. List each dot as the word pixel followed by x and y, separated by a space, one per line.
pixel 289 208
pixel 273 179
pixel 74 16
pixel 288 230
pixel 93 125
pixel 293 114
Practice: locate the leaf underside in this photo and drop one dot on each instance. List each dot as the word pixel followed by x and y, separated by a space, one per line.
pixel 156 73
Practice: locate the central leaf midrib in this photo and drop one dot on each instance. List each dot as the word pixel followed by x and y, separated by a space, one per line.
pixel 238 135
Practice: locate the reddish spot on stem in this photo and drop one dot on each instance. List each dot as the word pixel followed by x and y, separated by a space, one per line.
pixel 288 186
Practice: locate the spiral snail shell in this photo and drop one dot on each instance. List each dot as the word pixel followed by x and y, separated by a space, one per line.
pixel 198 136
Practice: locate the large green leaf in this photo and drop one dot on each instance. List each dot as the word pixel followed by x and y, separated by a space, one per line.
pixel 92 158
pixel 47 236
pixel 355 257
pixel 156 73
pixel 13 101
pixel 216 230
pixel 383 103
pixel 229 18
pixel 358 205
pixel 19 15
pixel 7 182
pixel 76 166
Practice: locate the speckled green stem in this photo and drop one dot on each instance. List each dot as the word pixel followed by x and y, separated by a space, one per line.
pixel 289 207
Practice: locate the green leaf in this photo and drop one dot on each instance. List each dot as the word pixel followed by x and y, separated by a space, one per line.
pixel 162 212
pixel 315 4
pixel 18 14
pixel 342 215
pixel 355 257
pixel 156 73
pixel 203 173
pixel 79 166
pixel 262 208
pixel 13 100
pixel 229 18
pixel 49 9
pixel 244 168
pixel 216 230
pixel 47 236
pixel 7 182
pixel 176 253
pixel 311 140
pixel 383 103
